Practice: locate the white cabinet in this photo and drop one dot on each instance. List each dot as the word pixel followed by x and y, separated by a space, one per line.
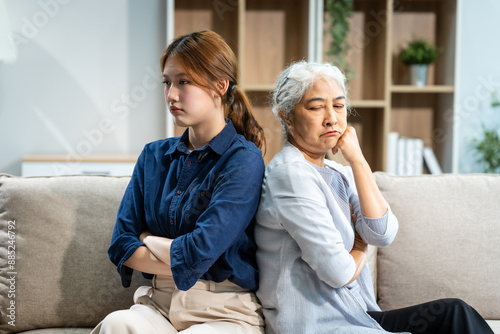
pixel 45 165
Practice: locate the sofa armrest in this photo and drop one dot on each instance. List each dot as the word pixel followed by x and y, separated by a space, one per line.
pixel 59 274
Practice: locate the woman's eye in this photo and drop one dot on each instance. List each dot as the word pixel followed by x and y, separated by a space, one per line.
pixel 338 106
pixel 166 83
pixel 183 82
pixel 315 108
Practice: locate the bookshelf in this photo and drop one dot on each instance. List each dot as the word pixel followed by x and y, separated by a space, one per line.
pixel 424 112
pixel 267 35
pixel 380 92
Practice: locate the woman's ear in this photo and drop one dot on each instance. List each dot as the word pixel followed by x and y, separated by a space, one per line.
pixel 286 117
pixel 222 86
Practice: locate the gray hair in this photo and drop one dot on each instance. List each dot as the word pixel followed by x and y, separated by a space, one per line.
pixel 296 80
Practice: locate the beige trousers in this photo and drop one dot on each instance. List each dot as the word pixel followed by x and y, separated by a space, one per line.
pixel 206 308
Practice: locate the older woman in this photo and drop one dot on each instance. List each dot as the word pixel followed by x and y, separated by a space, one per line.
pixel 311 248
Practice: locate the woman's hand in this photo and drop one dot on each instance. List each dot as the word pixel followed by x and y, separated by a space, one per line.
pixel 348 144
pixel 372 202
pixel 144 234
pixel 160 247
pixel 154 258
pixel 358 253
pixel 359 244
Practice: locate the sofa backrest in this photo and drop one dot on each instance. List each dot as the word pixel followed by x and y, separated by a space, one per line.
pixel 447 244
pixel 54 268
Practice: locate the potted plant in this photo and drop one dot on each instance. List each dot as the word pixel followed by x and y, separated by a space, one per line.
pixel 489 146
pixel 338 14
pixel 418 55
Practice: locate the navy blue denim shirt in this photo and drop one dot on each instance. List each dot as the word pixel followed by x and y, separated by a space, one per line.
pixel 204 200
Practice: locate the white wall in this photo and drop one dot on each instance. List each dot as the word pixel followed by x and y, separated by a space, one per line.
pixel 86 80
pixel 478 74
pixel 83 81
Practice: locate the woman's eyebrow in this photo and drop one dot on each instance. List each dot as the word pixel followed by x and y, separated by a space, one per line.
pixel 180 74
pixel 322 99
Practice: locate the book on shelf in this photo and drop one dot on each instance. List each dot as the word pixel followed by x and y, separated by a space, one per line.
pixel 431 161
pixel 392 146
pixel 406 156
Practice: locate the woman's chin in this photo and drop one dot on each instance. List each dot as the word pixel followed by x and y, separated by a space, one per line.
pixel 180 123
pixel 328 147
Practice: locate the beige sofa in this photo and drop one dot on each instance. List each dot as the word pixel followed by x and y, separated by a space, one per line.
pixel 55 276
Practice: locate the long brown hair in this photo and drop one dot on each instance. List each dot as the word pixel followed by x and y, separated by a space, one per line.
pixel 206 58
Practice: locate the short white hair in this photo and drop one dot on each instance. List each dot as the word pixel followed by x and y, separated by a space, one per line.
pixel 294 82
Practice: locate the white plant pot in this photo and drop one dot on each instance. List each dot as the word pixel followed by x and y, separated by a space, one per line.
pixel 418 74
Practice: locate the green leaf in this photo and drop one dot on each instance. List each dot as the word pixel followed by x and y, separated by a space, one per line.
pixel 419 51
pixel 339 12
pixel 489 150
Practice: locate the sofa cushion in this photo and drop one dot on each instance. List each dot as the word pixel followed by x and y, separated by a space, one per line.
pixel 65 330
pixel 59 274
pixel 447 244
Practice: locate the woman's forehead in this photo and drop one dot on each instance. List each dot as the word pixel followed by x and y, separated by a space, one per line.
pixel 323 88
pixel 171 67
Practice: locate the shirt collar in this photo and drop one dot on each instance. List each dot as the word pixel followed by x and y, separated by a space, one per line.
pixel 219 144
pixel 330 163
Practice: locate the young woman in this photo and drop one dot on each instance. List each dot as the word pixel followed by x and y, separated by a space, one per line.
pixel 186 218
pixel 311 251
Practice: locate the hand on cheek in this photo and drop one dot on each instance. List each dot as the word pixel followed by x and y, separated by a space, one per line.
pixel 348 144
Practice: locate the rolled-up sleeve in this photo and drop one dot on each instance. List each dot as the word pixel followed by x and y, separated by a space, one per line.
pixel 233 203
pixel 129 223
pixel 380 231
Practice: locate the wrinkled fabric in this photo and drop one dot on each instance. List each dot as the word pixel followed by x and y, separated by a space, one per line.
pixel 304 239
pixel 205 200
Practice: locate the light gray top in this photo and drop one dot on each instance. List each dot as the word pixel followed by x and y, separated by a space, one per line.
pixel 304 238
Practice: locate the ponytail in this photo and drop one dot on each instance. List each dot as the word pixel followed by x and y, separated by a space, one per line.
pixel 239 111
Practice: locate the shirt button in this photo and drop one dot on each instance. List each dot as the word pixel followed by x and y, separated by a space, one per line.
pixel 179 192
pixel 171 222
pixel 202 193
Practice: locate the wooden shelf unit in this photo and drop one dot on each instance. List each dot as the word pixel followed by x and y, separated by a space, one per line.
pixel 267 35
pixel 380 90
pixel 423 112
pixel 425 89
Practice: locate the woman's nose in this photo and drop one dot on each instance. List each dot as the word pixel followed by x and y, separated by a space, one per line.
pixel 171 93
pixel 330 116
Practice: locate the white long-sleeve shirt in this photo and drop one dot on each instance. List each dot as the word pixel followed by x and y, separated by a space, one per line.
pixel 304 239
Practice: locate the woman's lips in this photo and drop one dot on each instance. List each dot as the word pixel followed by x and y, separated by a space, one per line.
pixel 330 133
pixel 174 110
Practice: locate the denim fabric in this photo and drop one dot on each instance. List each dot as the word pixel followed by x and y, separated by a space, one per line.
pixel 205 200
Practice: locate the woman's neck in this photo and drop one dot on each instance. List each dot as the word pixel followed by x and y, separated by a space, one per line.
pixel 200 136
pixel 315 158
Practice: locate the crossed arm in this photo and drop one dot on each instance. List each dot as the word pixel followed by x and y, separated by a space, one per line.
pixel 372 202
pixel 154 258
pixel 358 253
